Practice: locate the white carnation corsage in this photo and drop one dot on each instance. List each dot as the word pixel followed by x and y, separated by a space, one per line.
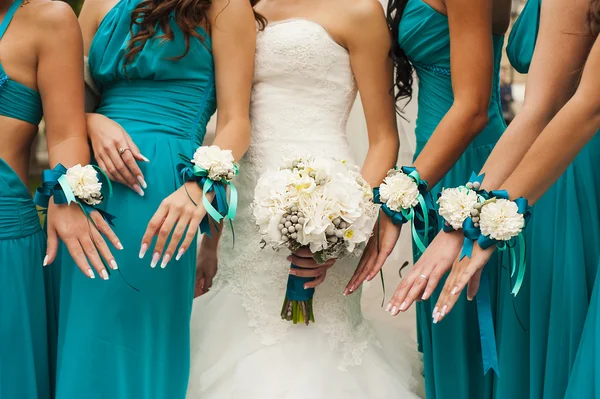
pixel 456 204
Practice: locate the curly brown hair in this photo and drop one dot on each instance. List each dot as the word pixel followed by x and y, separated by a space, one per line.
pixel 594 17
pixel 189 15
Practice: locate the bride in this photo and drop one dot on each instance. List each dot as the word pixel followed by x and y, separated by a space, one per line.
pixel 311 59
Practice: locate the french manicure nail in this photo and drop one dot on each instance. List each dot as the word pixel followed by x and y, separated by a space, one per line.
pixel 435 310
pixel 138 189
pixel 444 309
pixel 143 250
pixel 388 307
pixel 145 159
pixel 469 298
pixel 113 264
pixel 394 311
pixel 119 245
pixel 454 290
pixel 104 274
pixel 436 317
pixel 142 181
pixel 165 260
pixel 90 273
pixel 45 260
pixel 180 253
pixel 403 306
pixel 155 259
pixel 424 295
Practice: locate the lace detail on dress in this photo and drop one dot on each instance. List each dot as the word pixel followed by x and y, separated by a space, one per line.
pixel 302 95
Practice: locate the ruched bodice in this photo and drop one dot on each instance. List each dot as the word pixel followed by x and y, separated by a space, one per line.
pixel 424 35
pixel 17 100
pixel 158 90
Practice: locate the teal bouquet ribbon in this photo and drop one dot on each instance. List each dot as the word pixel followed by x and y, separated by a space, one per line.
pixel 55 184
pixel 297 305
pixel 422 216
pixel 220 208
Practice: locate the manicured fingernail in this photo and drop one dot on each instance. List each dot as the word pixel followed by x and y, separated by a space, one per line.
pixel 306 287
pixel 180 253
pixel 155 259
pixel 394 311
pixel 45 260
pixel 469 298
pixel 142 181
pixel 403 306
pixel 90 273
pixel 293 272
pixel 436 317
pixel 454 290
pixel 444 309
pixel 424 295
pixel 104 274
pixel 388 307
pixel 145 159
pixel 119 245
pixel 435 310
pixel 113 264
pixel 138 189
pixel 351 288
pixel 143 250
pixel 165 260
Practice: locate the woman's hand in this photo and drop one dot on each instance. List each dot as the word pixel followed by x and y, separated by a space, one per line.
pixel 83 240
pixel 115 152
pixel 179 213
pixel 206 269
pixel 425 275
pixel 465 271
pixel 372 260
pixel 305 259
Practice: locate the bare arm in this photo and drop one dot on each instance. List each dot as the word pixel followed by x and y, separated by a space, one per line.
pixel 550 83
pixel 369 55
pixel 471 60
pixel 234 43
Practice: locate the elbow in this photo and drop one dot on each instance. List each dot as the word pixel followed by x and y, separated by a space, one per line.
pixel 476 118
pixel 589 104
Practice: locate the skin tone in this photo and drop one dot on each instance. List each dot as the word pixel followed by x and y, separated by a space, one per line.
pixel 471 59
pixel 233 37
pixel 368 48
pixel 42 43
pixel 549 87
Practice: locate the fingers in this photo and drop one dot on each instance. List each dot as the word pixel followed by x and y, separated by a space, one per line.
pixel 106 164
pixel 91 253
pixel 473 286
pixel 102 248
pixel 152 229
pixel 163 235
pixel 208 281
pixel 434 278
pixel 76 252
pixel 304 252
pixel 308 263
pixel 121 167
pixel 368 253
pixel 318 281
pixel 51 246
pixel 192 230
pixel 458 278
pixel 382 256
pixel 131 164
pixel 180 229
pixel 398 301
pixel 105 229
pixel 310 272
pixel 135 151
pixel 199 287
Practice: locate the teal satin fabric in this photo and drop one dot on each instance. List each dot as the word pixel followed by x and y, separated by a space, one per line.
pixel 451 349
pixel 523 36
pixel 24 364
pixel 17 100
pixel 115 341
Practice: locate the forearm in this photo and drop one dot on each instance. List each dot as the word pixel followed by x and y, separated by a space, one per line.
pixel 69 150
pixel 381 157
pixel 450 139
pixel 235 136
pixel 212 243
pixel 554 150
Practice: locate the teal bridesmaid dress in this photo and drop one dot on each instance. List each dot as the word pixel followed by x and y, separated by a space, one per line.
pixel 451 349
pixel 564 254
pixel 129 337
pixel 24 372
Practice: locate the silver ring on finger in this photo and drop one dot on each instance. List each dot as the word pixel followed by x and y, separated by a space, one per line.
pixel 424 277
pixel 122 150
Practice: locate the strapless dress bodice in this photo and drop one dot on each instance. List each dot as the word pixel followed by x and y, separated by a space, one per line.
pixel 157 92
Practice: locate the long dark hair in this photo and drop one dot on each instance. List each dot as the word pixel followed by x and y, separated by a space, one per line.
pixel 188 14
pixel 594 17
pixel 403 78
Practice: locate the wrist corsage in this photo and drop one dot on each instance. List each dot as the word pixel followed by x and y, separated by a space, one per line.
pixel 83 185
pixel 213 169
pixel 404 198
pixel 457 204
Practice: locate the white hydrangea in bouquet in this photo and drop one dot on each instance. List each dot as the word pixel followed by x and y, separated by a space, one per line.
pixel 322 204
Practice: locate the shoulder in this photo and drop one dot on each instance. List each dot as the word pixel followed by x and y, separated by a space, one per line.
pixel 366 25
pixel 231 6
pixel 365 11
pixel 52 18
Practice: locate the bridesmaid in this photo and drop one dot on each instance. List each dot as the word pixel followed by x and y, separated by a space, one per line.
pixel 161 67
pixel 455 46
pixel 40 72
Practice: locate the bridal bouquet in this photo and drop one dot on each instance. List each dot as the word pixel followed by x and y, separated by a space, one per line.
pixel 322 204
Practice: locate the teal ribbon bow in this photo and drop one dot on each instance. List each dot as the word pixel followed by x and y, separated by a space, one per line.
pixel 421 214
pixel 55 184
pixel 219 209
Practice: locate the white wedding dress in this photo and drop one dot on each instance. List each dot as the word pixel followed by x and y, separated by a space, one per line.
pixel 303 92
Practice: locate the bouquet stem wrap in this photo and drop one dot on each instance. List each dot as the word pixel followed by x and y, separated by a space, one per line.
pixel 219 208
pixel 473 233
pixel 297 305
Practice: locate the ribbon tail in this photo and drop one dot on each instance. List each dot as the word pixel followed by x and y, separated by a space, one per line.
pixel 207 205
pixel 522 266
pixel 66 188
pixel 486 326
pixel 233 202
pixel 467 248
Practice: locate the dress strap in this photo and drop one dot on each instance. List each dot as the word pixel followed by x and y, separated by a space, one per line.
pixel 9 16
